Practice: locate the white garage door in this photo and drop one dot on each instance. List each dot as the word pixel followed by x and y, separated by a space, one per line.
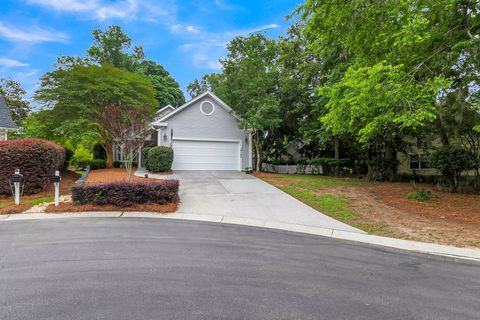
pixel 205 155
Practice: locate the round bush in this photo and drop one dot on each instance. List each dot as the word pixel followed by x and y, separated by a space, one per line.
pixel 98 164
pixel 37 160
pixel 159 159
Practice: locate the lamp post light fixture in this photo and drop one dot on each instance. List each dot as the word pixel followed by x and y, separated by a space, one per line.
pixel 16 179
pixel 56 182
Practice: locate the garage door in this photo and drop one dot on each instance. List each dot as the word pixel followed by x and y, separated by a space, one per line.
pixel 206 155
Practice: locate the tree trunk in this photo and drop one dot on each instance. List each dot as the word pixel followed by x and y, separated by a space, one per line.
pixel 389 157
pixel 336 145
pixel 258 154
pixel 108 146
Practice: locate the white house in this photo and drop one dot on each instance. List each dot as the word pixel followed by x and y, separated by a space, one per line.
pixel 6 122
pixel 204 133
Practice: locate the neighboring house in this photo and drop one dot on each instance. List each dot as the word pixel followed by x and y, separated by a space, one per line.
pixel 6 122
pixel 204 133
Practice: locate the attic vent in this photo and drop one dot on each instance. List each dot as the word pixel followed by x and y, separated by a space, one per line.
pixel 207 108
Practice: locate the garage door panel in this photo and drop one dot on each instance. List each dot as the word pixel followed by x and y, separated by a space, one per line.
pixel 205 155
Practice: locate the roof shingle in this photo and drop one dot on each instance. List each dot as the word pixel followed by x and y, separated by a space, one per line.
pixel 5 119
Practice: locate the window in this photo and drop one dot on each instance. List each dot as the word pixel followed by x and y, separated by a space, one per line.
pixel 418 161
pixel 207 108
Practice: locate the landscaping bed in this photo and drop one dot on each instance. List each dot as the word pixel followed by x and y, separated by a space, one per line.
pixel 384 209
pixel 7 204
pixel 108 190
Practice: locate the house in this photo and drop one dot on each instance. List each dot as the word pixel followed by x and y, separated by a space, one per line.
pixel 204 133
pixel 6 122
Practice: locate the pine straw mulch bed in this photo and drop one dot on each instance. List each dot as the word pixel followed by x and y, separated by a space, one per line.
pixel 148 207
pixel 115 174
pixel 449 218
pixel 112 175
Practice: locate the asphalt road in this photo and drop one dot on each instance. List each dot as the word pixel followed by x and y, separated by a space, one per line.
pixel 162 269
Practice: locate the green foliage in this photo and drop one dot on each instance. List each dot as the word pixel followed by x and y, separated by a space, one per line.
pixel 380 169
pixel 159 159
pixel 420 194
pixel 117 164
pixel 114 47
pixel 452 161
pixel 13 93
pixel 168 90
pixel 97 164
pixel 81 158
pixel 379 101
pixel 99 152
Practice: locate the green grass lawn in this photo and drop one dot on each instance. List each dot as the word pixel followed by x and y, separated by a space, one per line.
pixel 307 188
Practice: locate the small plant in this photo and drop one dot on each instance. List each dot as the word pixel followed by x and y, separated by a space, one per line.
pixel 420 194
pixel 81 158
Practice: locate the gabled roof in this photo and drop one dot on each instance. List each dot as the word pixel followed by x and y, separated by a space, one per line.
pixel 189 103
pixel 166 108
pixel 5 119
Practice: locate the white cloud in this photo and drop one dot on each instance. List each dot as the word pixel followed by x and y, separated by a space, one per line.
pixel 192 29
pixel 104 9
pixel 32 34
pixel 11 63
pixel 206 48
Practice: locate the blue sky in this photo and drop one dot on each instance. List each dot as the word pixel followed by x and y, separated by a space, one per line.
pixel 186 36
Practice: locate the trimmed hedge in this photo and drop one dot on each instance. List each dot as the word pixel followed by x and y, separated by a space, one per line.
pixel 98 164
pixel 127 193
pixel 158 159
pixel 37 160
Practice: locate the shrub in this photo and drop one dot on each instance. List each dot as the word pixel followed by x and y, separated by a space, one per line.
pixel 159 159
pixel 452 161
pixel 81 158
pixel 98 164
pixel 98 152
pixel 381 169
pixel 37 160
pixel 117 164
pixel 420 194
pixel 127 193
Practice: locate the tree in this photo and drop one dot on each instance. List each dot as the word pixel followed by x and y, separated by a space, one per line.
pixel 12 91
pixel 114 47
pixel 249 80
pixel 168 90
pixel 209 82
pixel 128 126
pixel 83 93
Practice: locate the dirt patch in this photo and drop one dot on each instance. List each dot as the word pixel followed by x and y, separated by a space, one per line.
pixel 384 209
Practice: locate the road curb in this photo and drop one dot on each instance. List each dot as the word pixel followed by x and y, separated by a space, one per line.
pixel 415 246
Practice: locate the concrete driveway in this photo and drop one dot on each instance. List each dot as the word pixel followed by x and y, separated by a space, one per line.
pixel 239 195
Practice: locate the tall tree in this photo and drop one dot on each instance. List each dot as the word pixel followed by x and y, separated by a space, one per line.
pixel 13 93
pixel 114 47
pixel 168 90
pixel 83 93
pixel 250 79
